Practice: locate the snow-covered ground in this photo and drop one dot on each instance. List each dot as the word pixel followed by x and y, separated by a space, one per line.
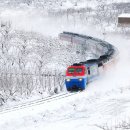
pixel 105 101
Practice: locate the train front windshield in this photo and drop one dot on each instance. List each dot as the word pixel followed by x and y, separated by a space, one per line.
pixel 71 70
pixel 79 70
pixel 74 71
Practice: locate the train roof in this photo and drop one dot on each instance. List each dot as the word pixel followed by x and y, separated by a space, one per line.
pixel 91 61
pixel 76 34
pixel 77 64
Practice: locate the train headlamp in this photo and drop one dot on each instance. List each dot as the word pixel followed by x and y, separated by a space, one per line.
pixel 68 80
pixel 80 79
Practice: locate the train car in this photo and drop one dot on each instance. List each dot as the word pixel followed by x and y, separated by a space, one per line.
pixel 80 74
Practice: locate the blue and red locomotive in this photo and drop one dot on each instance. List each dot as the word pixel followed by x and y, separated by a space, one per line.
pixel 80 74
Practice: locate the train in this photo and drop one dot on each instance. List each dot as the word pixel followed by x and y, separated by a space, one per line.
pixel 78 75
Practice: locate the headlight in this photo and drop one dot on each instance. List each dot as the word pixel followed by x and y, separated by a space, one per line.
pixel 68 80
pixel 80 79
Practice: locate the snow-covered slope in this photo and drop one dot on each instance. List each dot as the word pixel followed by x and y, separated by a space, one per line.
pixel 106 100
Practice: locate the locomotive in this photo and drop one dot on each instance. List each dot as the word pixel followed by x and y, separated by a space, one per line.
pixel 80 74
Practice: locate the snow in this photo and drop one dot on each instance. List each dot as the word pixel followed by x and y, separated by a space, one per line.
pixel 82 111
pixel 106 100
pixel 127 15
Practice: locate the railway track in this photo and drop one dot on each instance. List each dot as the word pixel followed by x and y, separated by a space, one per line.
pixel 37 102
